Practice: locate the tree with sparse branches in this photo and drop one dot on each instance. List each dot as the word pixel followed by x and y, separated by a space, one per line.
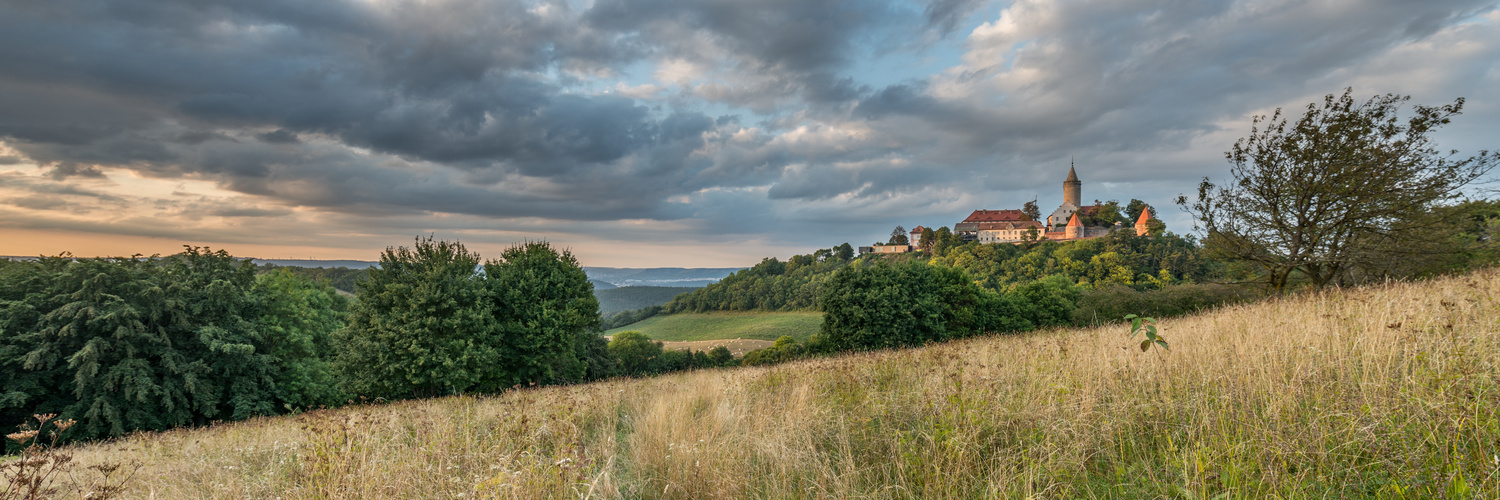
pixel 898 237
pixel 1031 210
pixel 1338 195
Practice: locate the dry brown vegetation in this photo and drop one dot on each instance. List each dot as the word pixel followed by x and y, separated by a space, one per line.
pixel 1383 391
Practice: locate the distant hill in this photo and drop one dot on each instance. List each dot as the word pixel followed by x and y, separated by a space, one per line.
pixel 627 298
pixel 659 276
pixel 602 285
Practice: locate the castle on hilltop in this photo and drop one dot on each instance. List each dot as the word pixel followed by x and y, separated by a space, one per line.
pixel 1014 226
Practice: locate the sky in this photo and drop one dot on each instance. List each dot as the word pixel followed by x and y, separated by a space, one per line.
pixel 662 133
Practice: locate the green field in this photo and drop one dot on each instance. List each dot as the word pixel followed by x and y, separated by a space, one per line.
pixel 728 325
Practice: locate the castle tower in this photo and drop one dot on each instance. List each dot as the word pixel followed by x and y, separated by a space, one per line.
pixel 1072 188
pixel 1074 229
pixel 1140 224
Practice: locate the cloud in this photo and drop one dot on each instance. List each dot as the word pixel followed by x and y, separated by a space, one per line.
pixel 744 120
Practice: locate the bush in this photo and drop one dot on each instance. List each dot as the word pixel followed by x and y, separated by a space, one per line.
pixel 910 304
pixel 1048 301
pixel 1109 304
pixel 635 351
pixel 785 349
pixel 720 356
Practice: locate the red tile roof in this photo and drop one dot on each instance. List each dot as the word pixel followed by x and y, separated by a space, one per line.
pixel 917 229
pixel 996 216
pixel 1145 216
pixel 1073 221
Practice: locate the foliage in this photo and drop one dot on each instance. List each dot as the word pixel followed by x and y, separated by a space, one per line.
pixel 898 237
pixel 297 321
pixel 1346 193
pixel 427 323
pixel 1045 302
pixel 152 343
pixel 897 305
pixel 1120 258
pixel 423 327
pixel 623 318
pixel 927 240
pixel 771 285
pixel 1031 211
pixel 640 355
pixel 1147 326
pixel 844 252
pixel 1114 301
pixel 785 349
pixel 340 278
pixel 541 302
pixel 635 351
pixel 633 298
pixel 1106 215
pixel 720 356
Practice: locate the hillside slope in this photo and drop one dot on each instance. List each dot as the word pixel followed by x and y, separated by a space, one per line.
pixel 626 298
pixel 684 327
pixel 1390 391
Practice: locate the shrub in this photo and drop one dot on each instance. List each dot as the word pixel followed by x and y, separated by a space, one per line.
pixel 909 304
pixel 635 351
pixel 1110 303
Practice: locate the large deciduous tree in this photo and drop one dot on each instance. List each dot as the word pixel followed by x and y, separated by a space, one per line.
pixel 153 343
pixel 422 326
pixel 1341 193
pixel 545 309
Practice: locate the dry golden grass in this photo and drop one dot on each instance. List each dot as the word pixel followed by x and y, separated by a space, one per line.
pixel 1386 391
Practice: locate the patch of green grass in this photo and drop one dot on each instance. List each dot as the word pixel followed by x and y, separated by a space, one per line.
pixel 728 325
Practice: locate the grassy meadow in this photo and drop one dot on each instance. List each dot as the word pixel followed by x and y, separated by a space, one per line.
pixel 1389 391
pixel 686 327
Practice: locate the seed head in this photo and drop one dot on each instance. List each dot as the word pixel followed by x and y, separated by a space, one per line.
pixel 21 437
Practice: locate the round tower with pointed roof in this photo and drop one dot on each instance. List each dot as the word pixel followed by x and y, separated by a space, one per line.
pixel 1072 188
pixel 1074 229
pixel 1141 227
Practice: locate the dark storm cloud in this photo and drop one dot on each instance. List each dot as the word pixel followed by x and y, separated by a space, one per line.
pixel 495 108
pixel 279 136
pixel 173 88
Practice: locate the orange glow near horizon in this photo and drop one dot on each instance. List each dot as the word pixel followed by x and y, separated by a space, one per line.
pixel 32 243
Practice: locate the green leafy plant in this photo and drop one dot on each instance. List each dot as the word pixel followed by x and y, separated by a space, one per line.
pixel 1147 325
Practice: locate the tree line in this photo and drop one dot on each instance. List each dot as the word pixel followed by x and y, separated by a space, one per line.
pixel 130 344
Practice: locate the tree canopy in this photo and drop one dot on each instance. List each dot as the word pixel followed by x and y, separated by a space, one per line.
pixel 152 343
pixel 1345 192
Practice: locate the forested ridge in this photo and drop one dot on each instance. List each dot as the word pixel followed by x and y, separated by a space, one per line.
pixel 1140 263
